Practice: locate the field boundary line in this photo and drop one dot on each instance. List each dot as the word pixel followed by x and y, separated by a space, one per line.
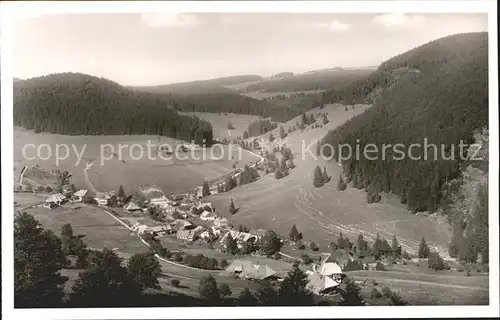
pixel 21 176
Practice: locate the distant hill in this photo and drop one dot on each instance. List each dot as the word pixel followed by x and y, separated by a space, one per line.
pixel 200 86
pixel 80 104
pixel 437 91
pixel 312 80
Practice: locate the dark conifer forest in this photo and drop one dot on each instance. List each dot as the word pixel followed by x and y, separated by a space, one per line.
pixel 437 91
pixel 80 104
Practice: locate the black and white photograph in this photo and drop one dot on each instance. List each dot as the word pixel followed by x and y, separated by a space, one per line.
pixel 249 154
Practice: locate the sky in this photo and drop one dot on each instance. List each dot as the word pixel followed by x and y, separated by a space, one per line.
pixel 161 48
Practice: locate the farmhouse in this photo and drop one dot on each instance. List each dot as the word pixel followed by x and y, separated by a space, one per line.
pixel 80 195
pixel 258 233
pixel 206 205
pixel 208 216
pixel 132 207
pixel 240 237
pixel 246 269
pixel 183 224
pixel 320 284
pixel 162 202
pixel 49 205
pixel 221 223
pixel 162 230
pixel 198 230
pixel 105 198
pixel 140 228
pixel 186 235
pixel 57 199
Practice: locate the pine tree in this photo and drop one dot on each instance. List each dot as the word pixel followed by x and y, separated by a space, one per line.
pixel 293 290
pixel 282 133
pixel 208 289
pixel 270 243
pixel 38 260
pixel 423 249
pixel 326 177
pixel 318 177
pixel 232 208
pixel 245 134
pixel 267 296
pixel 341 185
pixel 121 193
pixel 246 298
pixel 145 269
pixel 351 296
pixel 294 234
pixel 395 247
pixel 271 137
pixel 231 245
pixel 205 192
pixel 66 238
pixel 104 283
pixel 325 119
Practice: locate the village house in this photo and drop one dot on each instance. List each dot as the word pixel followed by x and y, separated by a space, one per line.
pixel 208 216
pixel 329 267
pixel 221 223
pixel 183 224
pixel 80 195
pixel 198 230
pixel 105 198
pixel 186 235
pixel 56 199
pixel 132 207
pixel 320 284
pixel 245 269
pixel 240 238
pixel 161 202
pixel 162 230
pixel 140 228
pixel 258 233
pixel 206 206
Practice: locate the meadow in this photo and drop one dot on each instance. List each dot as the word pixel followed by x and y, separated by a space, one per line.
pixel 321 214
pixel 178 174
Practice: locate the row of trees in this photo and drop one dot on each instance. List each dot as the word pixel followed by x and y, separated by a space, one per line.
pixel 258 128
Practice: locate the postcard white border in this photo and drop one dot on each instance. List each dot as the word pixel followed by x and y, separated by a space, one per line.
pixel 30 9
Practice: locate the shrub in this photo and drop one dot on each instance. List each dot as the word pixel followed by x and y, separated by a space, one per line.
pixel 277 256
pixel 380 267
pixel 376 294
pixel 436 262
pixel 175 283
pixel 301 246
pixel 313 246
pixel 306 259
pixel 223 264
pixel 386 292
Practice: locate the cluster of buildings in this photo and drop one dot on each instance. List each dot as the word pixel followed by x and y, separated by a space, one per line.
pixel 58 199
pixel 190 219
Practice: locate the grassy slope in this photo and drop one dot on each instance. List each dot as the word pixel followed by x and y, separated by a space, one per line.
pixel 321 213
pixel 219 122
pixel 173 176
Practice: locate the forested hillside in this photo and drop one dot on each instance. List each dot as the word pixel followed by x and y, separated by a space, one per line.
pixel 232 103
pixel 321 79
pixel 200 86
pixel 437 91
pixel 79 104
